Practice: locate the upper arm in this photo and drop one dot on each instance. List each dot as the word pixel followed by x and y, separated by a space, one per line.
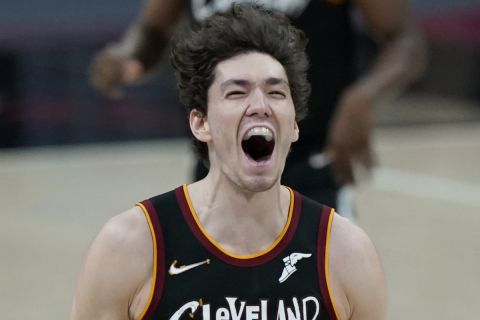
pixel 163 13
pixel 388 17
pixel 118 264
pixel 357 274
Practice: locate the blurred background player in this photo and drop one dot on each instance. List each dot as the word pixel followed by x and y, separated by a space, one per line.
pixel 336 135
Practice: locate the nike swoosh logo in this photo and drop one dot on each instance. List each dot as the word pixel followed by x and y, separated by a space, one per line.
pixel 177 270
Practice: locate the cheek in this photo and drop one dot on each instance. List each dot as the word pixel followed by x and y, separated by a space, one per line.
pixel 290 125
pixel 222 130
pixel 224 122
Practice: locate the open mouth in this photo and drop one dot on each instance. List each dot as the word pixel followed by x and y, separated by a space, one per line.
pixel 258 144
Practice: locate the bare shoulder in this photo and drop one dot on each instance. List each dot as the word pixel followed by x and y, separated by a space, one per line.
pixel 356 272
pixel 118 264
pixel 128 230
pixel 125 236
pixel 351 240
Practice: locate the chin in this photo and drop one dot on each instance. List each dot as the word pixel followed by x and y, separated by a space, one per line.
pixel 260 183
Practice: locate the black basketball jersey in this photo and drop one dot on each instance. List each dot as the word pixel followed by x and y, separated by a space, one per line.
pixel 194 278
pixel 328 26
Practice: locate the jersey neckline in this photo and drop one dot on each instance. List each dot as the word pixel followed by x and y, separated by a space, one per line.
pixel 214 248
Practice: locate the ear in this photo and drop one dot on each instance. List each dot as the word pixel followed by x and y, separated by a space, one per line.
pixel 296 132
pixel 199 126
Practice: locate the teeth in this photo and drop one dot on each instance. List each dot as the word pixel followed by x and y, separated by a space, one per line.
pixel 259 131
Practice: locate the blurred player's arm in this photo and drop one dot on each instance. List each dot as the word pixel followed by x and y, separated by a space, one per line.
pixel 401 60
pixel 356 273
pixel 139 50
pixel 115 279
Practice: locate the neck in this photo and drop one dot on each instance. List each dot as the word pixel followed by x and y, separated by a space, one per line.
pixel 240 221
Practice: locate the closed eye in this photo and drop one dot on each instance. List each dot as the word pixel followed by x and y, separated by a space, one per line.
pixel 277 94
pixel 234 94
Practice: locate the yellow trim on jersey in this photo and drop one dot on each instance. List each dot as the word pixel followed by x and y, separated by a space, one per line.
pixel 154 276
pixel 327 254
pixel 237 256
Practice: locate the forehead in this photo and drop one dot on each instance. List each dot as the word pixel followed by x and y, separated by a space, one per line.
pixel 252 66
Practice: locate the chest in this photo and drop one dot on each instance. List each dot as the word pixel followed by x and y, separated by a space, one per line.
pixel 203 285
pixel 197 279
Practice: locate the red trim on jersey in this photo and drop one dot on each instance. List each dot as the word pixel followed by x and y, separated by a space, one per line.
pixel 160 276
pixel 321 262
pixel 249 262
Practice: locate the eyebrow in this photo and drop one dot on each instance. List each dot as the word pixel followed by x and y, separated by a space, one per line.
pixel 274 81
pixel 244 83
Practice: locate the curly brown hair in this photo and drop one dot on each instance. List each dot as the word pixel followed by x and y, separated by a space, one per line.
pixel 196 51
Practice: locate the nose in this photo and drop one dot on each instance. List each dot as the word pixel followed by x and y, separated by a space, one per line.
pixel 259 104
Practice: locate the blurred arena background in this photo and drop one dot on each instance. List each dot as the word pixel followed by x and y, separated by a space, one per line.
pixel 70 158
